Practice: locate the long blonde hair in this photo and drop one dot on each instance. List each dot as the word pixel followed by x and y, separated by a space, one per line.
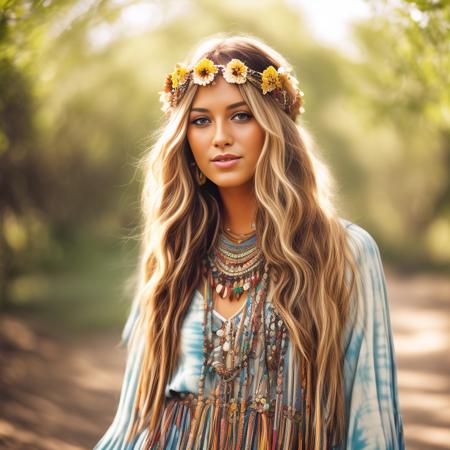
pixel 307 248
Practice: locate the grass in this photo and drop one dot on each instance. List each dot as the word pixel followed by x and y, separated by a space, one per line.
pixel 86 293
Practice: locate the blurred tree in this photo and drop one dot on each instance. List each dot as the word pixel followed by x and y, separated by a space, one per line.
pixel 16 164
pixel 20 200
pixel 403 86
pixel 79 105
pixel 30 185
pixel 417 68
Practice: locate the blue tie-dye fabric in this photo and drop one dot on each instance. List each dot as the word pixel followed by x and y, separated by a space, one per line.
pixel 373 417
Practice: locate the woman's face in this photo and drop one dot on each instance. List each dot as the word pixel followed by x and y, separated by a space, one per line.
pixel 221 123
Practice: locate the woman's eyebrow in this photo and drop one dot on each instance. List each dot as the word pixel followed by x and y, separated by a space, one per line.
pixel 233 105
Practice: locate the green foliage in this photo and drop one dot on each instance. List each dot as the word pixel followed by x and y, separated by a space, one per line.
pixel 89 290
pixel 402 88
pixel 414 59
pixel 77 112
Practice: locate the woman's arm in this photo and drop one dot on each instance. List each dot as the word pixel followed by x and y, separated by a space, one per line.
pixel 373 415
pixel 114 438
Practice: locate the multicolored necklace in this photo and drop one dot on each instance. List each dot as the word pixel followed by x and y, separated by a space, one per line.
pixel 234 265
pixel 245 398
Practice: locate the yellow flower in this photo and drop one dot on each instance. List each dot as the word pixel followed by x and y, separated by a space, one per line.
pixel 235 72
pixel 204 72
pixel 270 80
pixel 179 75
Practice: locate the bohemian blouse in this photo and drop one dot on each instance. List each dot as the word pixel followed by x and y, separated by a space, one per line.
pixel 373 419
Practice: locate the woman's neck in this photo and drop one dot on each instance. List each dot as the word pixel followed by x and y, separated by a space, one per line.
pixel 239 208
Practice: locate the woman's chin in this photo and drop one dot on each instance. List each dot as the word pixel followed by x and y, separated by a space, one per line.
pixel 231 182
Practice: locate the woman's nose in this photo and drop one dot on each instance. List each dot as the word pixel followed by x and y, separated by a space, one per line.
pixel 222 135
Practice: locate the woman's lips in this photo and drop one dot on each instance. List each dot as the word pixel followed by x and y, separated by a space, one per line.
pixel 225 164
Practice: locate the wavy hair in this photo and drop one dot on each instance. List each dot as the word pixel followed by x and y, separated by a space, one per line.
pixel 306 249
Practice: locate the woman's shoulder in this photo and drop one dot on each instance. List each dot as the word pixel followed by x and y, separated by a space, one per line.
pixel 360 240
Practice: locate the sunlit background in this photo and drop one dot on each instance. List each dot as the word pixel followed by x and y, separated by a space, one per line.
pixel 79 84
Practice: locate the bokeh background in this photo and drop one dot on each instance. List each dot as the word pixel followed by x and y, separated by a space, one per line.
pixel 79 82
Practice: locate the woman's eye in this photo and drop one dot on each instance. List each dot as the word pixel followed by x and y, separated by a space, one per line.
pixel 243 116
pixel 198 121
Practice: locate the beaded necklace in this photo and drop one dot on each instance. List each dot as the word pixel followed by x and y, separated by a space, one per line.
pixel 238 345
pixel 235 265
pixel 233 409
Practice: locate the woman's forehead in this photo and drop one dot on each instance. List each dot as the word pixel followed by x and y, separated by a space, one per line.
pixel 217 94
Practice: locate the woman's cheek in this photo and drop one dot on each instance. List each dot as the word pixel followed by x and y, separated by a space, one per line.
pixel 194 144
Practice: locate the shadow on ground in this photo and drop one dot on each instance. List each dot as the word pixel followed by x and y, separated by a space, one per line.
pixel 58 393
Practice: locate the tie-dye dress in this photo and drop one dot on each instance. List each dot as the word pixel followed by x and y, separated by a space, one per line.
pixel 373 420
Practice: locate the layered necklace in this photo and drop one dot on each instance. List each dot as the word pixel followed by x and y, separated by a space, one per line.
pixel 243 394
pixel 235 264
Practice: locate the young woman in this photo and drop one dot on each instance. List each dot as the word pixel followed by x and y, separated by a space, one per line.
pixel 260 319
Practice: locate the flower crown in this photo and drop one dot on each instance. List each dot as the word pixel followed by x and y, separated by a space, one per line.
pixel 279 83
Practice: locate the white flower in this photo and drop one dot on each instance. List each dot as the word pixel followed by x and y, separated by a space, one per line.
pixel 235 72
pixel 164 98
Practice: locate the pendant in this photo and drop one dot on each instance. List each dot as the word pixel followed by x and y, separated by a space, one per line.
pixel 238 290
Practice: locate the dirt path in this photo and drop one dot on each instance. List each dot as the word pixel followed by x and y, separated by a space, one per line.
pixel 60 393
pixel 420 315
pixel 57 393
